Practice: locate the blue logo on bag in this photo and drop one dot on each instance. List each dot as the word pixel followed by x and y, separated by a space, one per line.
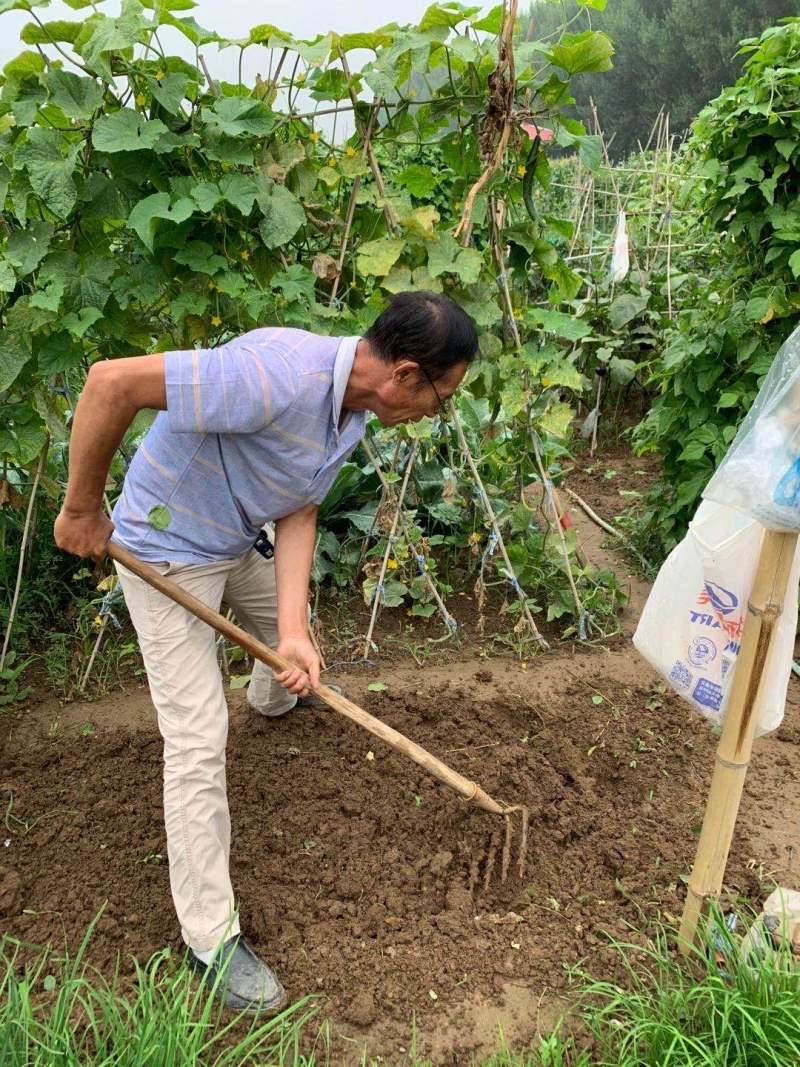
pixel 681 674
pixel 702 650
pixel 787 491
pixel 722 599
pixel 708 694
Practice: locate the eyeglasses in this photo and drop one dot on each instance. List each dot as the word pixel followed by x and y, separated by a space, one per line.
pixel 441 405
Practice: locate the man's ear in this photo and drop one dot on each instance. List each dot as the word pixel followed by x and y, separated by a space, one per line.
pixel 405 370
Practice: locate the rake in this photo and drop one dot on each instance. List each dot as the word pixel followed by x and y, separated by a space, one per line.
pixel 467 789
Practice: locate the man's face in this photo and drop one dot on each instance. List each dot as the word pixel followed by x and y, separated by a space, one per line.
pixel 408 395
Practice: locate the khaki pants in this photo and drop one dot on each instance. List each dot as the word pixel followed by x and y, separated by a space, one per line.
pixel 186 685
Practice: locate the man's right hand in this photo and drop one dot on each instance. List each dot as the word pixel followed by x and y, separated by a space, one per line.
pixel 83 533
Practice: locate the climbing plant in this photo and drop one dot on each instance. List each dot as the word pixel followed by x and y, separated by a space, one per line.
pixel 149 207
pixel 739 300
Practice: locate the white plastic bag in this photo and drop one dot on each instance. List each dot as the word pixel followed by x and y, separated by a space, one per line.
pixel 692 623
pixel 620 260
pixel 760 473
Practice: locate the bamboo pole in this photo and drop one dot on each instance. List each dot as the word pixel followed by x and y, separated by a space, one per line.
pixel 384 496
pixel 351 207
pixel 764 609
pixel 376 601
pixel 469 790
pixel 487 507
pixel 23 547
pixel 449 621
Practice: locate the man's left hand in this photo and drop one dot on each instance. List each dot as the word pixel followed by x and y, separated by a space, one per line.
pixel 305 676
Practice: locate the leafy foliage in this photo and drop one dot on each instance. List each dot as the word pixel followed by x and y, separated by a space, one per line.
pixel 146 209
pixel 740 301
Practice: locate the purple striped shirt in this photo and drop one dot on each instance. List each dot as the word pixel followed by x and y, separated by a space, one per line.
pixel 251 433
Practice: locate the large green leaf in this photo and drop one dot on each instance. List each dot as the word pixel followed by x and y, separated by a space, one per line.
pixel 76 96
pixel 78 323
pixel 190 28
pixel 579 53
pixel 564 374
pixel 282 213
pixel 240 115
pixel 419 180
pixel 200 257
pixel 21 5
pixel 60 30
pixel 446 255
pixel 8 278
pixel 206 195
pixel 442 254
pixel 101 35
pixel 378 257
pixel 22 322
pixel 447 14
pixel 374 40
pixel 50 168
pixel 561 325
pixel 171 91
pixel 468 265
pixel 492 22
pixel 143 217
pixel 126 131
pixel 58 353
pixel 556 420
pixel 590 150
pixel 295 283
pixel 239 190
pixel 24 64
pixel 27 248
pixel 624 308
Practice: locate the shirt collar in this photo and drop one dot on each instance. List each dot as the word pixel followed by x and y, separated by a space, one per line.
pixel 343 364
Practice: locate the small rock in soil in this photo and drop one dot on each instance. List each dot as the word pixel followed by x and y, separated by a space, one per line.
pixel 10 892
pixel 441 861
pixel 361 1011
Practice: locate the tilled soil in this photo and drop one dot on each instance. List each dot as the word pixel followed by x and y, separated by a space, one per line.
pixel 361 879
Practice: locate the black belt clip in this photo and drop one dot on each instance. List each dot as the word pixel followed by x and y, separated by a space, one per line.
pixel 264 546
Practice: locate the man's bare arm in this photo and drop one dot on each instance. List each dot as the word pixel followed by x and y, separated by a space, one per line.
pixel 115 391
pixel 295 537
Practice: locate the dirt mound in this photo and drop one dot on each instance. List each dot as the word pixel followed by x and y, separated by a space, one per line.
pixel 361 878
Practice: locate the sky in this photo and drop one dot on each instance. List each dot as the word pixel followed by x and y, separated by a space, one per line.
pixel 234 18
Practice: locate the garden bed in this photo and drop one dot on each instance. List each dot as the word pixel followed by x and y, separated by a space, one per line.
pixel 360 878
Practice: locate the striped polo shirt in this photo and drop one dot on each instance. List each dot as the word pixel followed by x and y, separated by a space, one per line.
pixel 253 430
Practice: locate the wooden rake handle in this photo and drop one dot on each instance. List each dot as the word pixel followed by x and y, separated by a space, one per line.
pixel 467 789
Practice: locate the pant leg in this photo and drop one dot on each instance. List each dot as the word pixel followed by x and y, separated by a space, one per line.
pixel 186 687
pixel 251 593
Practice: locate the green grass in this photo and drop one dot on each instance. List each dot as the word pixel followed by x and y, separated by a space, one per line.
pixel 662 1012
pixel 61 1011
pixel 669 1012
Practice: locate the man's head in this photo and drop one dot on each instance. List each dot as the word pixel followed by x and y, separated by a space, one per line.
pixel 413 357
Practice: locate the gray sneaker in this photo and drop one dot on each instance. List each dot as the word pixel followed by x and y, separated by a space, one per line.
pixel 246 984
pixel 313 701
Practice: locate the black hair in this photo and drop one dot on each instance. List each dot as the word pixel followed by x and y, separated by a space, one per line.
pixel 426 327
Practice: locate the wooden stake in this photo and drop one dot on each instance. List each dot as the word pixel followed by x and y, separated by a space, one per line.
pixel 422 566
pixel 487 507
pixel 469 790
pixel 733 752
pixel 376 600
pixel 22 549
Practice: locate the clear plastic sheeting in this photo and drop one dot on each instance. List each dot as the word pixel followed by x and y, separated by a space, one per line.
pixel 760 474
pixel 620 258
pixel 691 627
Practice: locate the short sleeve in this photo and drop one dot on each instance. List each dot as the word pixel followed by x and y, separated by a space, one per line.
pixel 239 387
